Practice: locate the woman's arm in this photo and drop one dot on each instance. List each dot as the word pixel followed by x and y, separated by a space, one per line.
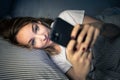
pixel 108 30
pixel 78 17
pixel 88 19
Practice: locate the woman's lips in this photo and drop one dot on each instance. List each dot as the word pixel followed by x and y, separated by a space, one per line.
pixel 47 39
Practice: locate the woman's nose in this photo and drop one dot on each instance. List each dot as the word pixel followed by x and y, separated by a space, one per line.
pixel 41 37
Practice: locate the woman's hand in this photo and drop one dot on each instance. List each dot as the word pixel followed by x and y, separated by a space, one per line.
pixel 83 38
pixel 80 61
pixel 87 35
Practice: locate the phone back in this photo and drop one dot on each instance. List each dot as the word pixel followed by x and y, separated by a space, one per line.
pixel 61 32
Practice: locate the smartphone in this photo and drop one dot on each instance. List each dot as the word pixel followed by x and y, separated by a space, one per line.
pixel 61 32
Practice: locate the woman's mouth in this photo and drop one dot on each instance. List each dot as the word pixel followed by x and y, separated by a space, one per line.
pixel 47 39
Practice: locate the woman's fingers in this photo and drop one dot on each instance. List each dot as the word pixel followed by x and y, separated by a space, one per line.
pixel 82 34
pixel 89 55
pixel 75 31
pixel 85 55
pixel 70 48
pixel 96 33
pixel 89 37
pixel 86 38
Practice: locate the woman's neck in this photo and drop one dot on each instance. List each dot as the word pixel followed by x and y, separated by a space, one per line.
pixel 57 47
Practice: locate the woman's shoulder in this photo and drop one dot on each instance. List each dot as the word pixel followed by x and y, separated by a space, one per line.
pixel 71 11
pixel 72 16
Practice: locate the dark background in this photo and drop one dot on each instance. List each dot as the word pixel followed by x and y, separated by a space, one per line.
pixel 51 8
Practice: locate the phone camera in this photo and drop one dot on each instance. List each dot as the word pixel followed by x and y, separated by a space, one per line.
pixel 56 36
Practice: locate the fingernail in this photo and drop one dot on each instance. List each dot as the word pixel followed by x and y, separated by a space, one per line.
pixel 73 38
pixel 83 49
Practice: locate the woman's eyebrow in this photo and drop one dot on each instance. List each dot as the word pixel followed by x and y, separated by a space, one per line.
pixel 33 30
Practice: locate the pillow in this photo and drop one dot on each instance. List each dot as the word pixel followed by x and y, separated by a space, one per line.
pixel 21 63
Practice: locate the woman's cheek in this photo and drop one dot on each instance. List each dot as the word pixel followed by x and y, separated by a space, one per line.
pixel 38 45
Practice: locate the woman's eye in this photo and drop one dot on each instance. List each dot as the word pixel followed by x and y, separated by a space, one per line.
pixel 33 42
pixel 36 28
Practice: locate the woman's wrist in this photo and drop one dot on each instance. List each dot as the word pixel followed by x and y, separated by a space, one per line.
pixel 79 76
pixel 73 75
pixel 98 25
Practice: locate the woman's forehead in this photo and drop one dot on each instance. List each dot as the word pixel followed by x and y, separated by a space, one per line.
pixel 24 34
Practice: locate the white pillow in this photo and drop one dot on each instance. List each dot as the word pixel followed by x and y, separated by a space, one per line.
pixel 21 63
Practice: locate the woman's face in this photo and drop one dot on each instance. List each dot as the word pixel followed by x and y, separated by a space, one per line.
pixel 35 35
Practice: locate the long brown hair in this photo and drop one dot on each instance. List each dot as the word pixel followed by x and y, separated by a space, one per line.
pixel 10 27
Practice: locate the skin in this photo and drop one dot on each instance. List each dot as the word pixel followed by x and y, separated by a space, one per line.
pixel 79 58
pixel 92 34
pixel 35 35
pixel 80 61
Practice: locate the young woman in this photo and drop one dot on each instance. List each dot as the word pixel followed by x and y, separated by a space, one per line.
pixel 75 60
